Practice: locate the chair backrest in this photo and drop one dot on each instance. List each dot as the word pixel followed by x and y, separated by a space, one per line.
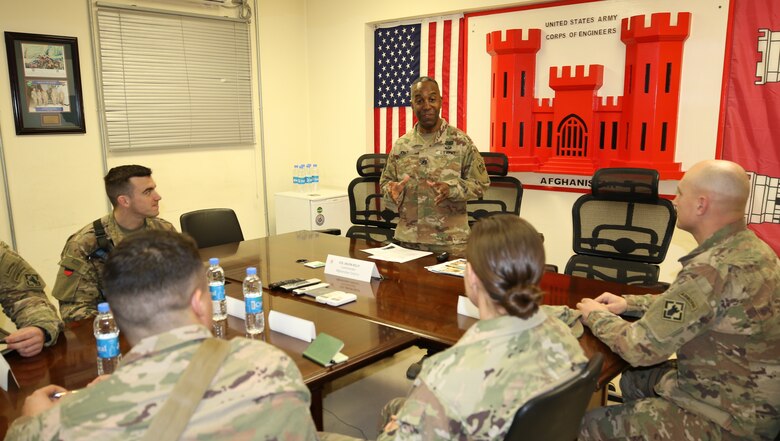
pixel 367 206
pixel 503 196
pixel 212 226
pixel 623 217
pixel 555 415
pixel 614 270
pixel 370 234
pixel 496 164
pixel 371 164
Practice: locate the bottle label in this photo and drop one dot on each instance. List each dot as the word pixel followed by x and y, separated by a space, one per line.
pixel 254 304
pixel 108 346
pixel 316 179
pixel 217 292
pixel 308 179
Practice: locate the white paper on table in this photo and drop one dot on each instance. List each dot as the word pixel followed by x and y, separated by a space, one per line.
pixel 467 308
pixel 236 308
pixel 395 253
pixel 290 325
pixel 5 372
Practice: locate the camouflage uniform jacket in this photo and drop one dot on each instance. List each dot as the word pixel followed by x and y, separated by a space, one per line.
pixel 257 393
pixel 452 158
pixel 78 281
pixel 722 317
pixel 23 298
pixel 473 389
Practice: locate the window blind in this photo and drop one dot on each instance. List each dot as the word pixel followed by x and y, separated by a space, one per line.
pixel 173 81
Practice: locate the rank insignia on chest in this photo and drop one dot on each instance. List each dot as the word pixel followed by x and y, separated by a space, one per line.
pixel 674 310
pixel 423 161
pixel 447 146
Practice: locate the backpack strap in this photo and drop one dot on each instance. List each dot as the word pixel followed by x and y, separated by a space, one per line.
pixel 105 244
pixel 175 414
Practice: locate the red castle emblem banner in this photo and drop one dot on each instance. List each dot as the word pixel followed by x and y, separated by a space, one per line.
pixel 751 130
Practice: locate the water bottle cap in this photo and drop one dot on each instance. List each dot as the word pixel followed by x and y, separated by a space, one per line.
pixel 251 271
pixel 103 307
pixel 308 165
pixel 214 261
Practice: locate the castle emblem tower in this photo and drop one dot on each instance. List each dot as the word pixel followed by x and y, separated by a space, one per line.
pixel 512 87
pixel 651 91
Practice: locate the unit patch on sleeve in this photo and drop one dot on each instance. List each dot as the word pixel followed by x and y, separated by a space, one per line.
pixel 674 310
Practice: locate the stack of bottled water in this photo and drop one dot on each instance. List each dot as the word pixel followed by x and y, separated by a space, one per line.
pixel 107 336
pixel 306 177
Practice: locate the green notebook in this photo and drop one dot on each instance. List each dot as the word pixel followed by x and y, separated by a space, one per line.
pixel 324 349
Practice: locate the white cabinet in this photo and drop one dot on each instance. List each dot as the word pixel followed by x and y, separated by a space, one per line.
pixel 316 210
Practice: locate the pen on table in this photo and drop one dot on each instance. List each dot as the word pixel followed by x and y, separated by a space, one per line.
pixel 59 395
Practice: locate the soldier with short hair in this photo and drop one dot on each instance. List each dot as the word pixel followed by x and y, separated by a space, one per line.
pixel 133 194
pixel 722 318
pixel 430 174
pixel 25 303
pixel 156 284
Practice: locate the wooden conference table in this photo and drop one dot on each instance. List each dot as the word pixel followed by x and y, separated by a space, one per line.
pixel 408 298
pixel 409 305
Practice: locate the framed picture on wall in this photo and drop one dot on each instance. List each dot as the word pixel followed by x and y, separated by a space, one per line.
pixel 45 83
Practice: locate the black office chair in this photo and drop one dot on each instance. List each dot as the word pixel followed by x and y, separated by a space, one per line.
pixel 556 415
pixel 504 194
pixel 371 164
pixel 367 208
pixel 371 234
pixel 622 219
pixel 602 268
pixel 212 226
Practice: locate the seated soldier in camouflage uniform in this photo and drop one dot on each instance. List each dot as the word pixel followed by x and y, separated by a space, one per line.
pixel 430 174
pixel 156 284
pixel 25 303
pixel 133 194
pixel 514 352
pixel 722 318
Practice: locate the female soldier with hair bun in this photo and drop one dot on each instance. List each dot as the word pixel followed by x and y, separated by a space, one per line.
pixel 514 352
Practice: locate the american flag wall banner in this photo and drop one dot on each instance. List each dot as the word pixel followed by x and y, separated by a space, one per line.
pixel 402 53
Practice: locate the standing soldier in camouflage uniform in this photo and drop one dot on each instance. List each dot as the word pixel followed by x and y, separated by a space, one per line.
pixel 133 194
pixel 156 284
pixel 430 174
pixel 25 303
pixel 722 317
pixel 514 352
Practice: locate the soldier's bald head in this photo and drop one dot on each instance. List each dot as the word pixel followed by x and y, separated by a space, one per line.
pixel 725 183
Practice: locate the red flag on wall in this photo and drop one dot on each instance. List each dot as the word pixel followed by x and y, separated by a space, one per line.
pixel 751 131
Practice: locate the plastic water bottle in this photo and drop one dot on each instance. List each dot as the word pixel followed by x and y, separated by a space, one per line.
pixel 107 336
pixel 315 177
pixel 253 299
pixel 301 178
pixel 296 175
pixel 308 177
pixel 216 278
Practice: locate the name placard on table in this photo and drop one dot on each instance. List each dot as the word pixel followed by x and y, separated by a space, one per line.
pixel 351 268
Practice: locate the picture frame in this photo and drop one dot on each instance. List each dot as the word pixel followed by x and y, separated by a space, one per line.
pixel 45 83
